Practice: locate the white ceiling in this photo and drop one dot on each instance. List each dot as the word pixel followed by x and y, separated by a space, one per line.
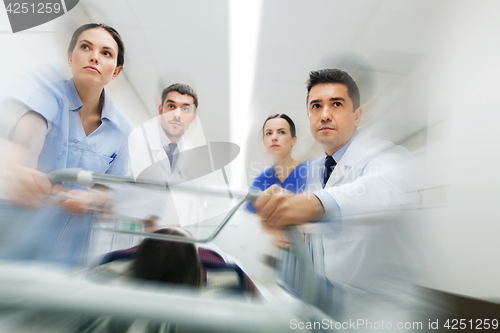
pixel 383 44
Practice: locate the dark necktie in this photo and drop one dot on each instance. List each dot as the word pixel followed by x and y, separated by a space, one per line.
pixel 170 153
pixel 329 166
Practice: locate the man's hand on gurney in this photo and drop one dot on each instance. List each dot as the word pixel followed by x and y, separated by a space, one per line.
pixel 30 188
pixel 279 239
pixel 278 207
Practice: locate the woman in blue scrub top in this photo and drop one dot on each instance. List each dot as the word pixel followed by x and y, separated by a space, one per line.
pixel 279 136
pixel 71 124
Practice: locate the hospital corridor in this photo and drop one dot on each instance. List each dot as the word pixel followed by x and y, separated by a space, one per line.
pixel 249 166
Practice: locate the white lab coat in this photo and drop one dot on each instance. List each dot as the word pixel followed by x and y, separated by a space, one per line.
pixel 145 147
pixel 364 251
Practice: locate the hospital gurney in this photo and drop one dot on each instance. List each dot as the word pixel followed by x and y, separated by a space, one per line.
pixel 47 301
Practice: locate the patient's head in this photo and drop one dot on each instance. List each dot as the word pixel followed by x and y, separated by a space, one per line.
pixel 168 261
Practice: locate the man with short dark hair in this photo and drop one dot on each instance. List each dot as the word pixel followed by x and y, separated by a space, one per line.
pixel 161 137
pixel 177 111
pixel 356 178
pixel 335 76
pixel 154 149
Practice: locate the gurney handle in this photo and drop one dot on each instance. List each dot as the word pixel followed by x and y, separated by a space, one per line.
pixel 89 178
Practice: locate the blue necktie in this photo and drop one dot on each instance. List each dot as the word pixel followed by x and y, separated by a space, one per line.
pixel 329 166
pixel 170 153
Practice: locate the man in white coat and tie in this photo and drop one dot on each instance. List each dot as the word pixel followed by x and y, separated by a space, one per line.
pixel 357 186
pixel 154 149
pixel 162 137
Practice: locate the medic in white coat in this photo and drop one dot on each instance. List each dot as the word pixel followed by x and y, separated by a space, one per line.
pixel 357 239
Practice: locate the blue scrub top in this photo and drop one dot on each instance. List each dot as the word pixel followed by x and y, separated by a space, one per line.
pixel 295 182
pixel 66 145
pixel 52 234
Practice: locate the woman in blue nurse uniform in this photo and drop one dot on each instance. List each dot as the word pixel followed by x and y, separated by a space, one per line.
pixel 70 124
pixel 279 136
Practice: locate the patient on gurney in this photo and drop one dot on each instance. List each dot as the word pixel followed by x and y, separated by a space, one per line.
pixel 184 264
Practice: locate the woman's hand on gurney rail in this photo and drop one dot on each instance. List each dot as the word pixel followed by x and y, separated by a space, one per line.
pixel 29 187
pixel 82 201
pixel 278 207
pixel 79 203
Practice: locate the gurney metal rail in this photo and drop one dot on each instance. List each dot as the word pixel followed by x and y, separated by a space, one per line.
pixel 52 292
pixel 312 287
pixel 78 296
